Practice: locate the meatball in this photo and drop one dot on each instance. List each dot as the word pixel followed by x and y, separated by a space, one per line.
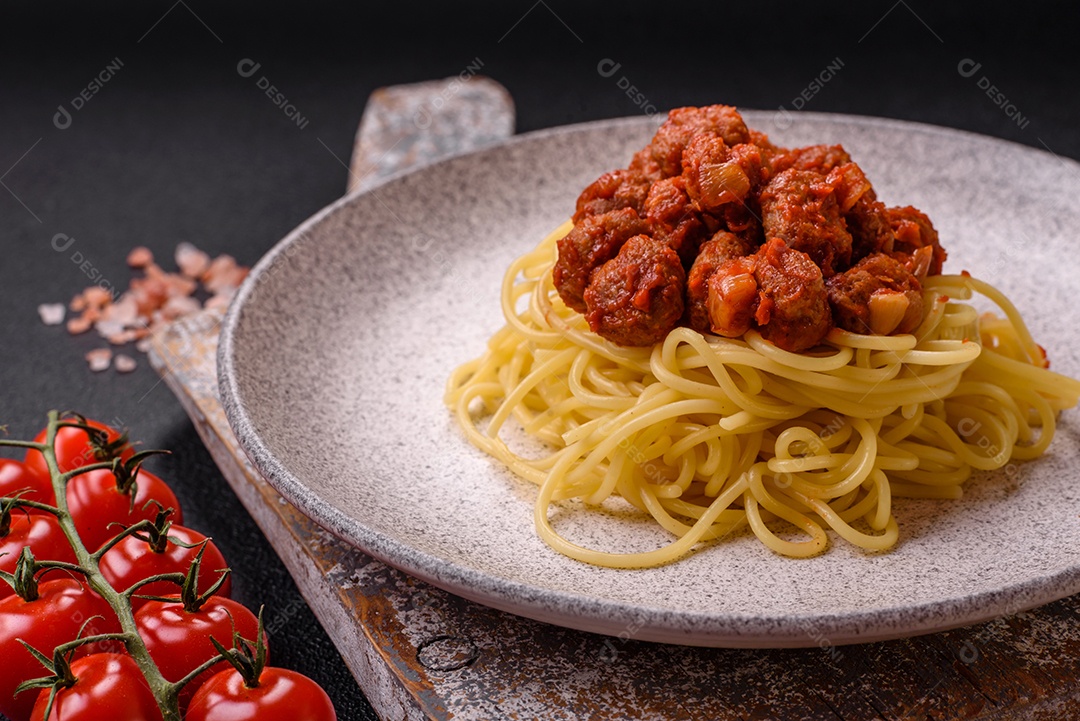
pixel 716 251
pixel 716 174
pixel 635 298
pixel 682 124
pixel 863 213
pixel 779 290
pixel 761 140
pixel 914 231
pixel 800 208
pixel 739 219
pixel 613 191
pixel 590 244
pixel 819 158
pixel 877 295
pixel 673 218
pixel 644 163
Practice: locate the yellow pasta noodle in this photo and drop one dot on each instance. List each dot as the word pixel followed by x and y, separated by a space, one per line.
pixel 708 435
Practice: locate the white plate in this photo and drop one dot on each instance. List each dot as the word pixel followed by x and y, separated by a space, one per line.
pixel 334 358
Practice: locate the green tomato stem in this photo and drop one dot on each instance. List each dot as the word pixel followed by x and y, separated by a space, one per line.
pixel 165 693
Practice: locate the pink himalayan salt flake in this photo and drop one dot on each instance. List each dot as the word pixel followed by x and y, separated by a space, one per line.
pixel 97 296
pixel 191 261
pixel 122 338
pixel 75 326
pixel 125 311
pixel 140 257
pixel 179 306
pixel 52 313
pixel 177 285
pixel 106 328
pixel 99 359
pixel 149 294
pixel 124 363
pixel 223 274
pixel 220 301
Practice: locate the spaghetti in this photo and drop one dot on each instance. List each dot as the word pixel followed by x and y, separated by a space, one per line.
pixel 708 435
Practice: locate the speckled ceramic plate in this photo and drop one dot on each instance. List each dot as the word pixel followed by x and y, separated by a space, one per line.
pixel 334 358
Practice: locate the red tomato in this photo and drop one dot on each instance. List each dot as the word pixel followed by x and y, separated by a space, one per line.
pixel 95 502
pixel 16 476
pixel 108 686
pixel 133 559
pixel 55 617
pixel 45 538
pixel 73 449
pixel 282 695
pixel 179 641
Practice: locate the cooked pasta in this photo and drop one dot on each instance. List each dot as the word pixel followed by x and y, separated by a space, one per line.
pixel 709 435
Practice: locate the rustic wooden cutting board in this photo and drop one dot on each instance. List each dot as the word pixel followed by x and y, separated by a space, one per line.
pixel 420 653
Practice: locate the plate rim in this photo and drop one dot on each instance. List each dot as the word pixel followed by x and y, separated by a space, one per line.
pixel 579 610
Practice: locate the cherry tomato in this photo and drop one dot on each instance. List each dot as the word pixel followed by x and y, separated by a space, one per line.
pixel 16 476
pixel 108 686
pixel 133 559
pixel 73 449
pixel 282 695
pixel 95 502
pixel 55 617
pixel 44 537
pixel 179 640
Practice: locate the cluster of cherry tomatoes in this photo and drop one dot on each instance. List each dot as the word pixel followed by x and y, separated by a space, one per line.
pixel 103 681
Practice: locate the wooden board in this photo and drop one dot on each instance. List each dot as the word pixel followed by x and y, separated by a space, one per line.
pixel 420 653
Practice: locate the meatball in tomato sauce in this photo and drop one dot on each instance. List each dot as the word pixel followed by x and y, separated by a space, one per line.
pixel 636 297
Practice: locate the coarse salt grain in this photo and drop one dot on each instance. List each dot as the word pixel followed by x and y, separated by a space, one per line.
pixel 124 363
pixel 125 311
pixel 140 257
pixel 191 261
pixel 99 359
pixel 52 313
pixel 75 326
pixel 95 295
pixel 220 301
pixel 109 328
pixel 179 306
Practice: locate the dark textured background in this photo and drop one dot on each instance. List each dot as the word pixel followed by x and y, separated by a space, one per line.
pixel 178 146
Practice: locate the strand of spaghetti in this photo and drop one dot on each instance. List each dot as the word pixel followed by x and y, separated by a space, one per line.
pixel 561 359
pixel 843 338
pixel 677 528
pixel 622 434
pixel 1047 421
pixel 802 549
pixel 863 506
pixel 737 467
pixel 1043 380
pixel 839 358
pixel 609 397
pixel 857 538
pixel 669 376
pixel 653 397
pixel 759 407
pixel 1006 305
pixel 853 471
pixel 939 353
pixel 971 455
pixel 645 559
